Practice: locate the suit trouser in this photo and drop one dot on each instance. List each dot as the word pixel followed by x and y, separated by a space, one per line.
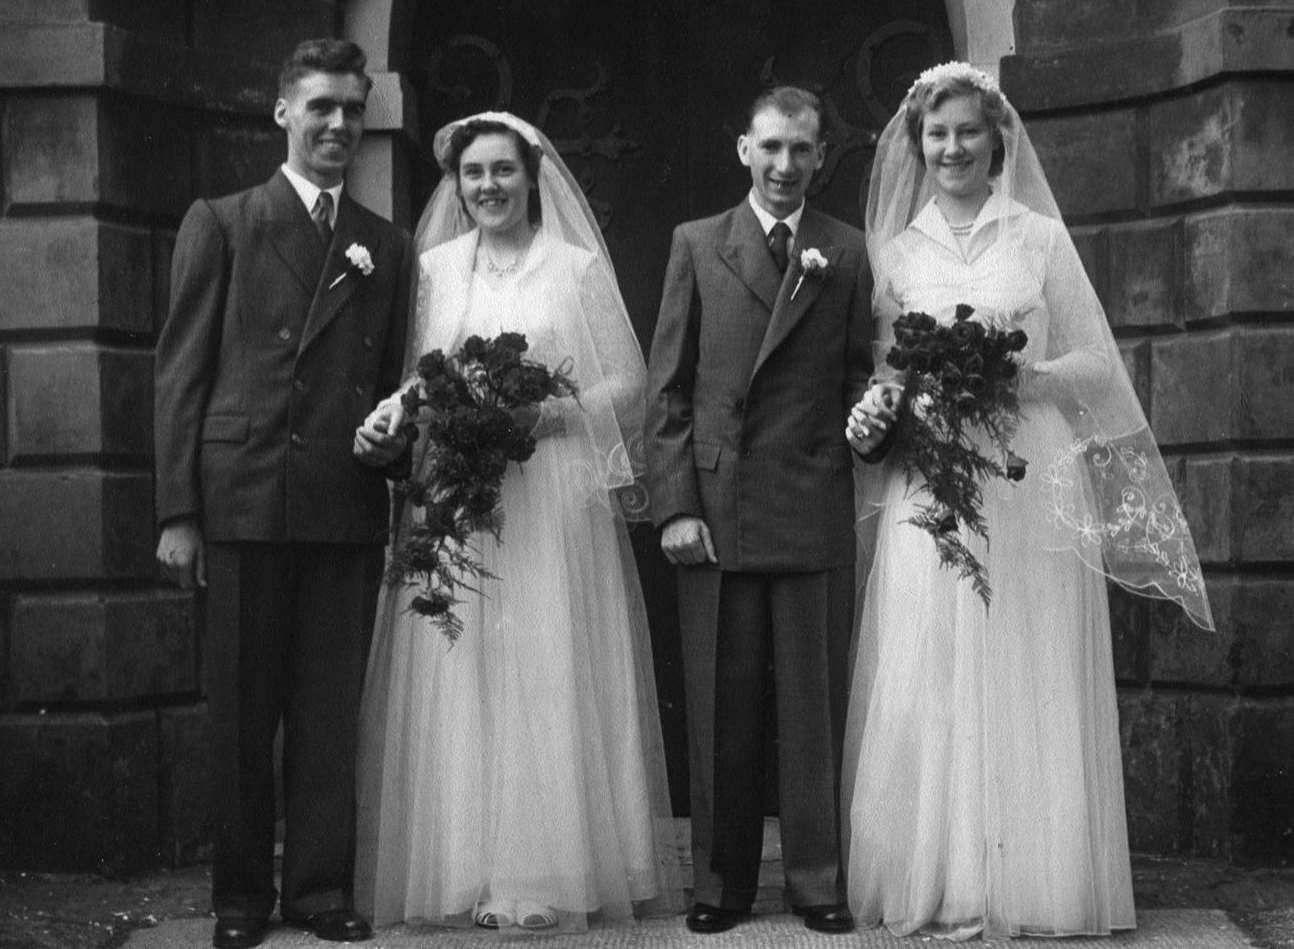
pixel 287 637
pixel 733 624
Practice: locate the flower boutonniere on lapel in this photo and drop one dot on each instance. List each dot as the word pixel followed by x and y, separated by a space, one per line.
pixel 812 264
pixel 360 259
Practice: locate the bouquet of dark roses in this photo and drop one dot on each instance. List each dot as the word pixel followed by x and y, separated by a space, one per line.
pixel 961 386
pixel 471 438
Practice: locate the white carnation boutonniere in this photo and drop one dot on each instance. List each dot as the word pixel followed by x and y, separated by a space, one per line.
pixel 360 259
pixel 812 264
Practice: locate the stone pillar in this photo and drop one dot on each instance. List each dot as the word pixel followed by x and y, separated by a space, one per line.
pixel 114 115
pixel 1165 130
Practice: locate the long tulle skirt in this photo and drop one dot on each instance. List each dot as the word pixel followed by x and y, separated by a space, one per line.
pixel 524 762
pixel 983 787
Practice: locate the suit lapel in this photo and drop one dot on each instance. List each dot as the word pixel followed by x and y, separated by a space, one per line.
pixel 745 252
pixel 338 279
pixel 292 234
pixel 787 311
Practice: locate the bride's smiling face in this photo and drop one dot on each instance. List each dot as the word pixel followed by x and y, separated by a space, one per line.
pixel 493 183
pixel 957 143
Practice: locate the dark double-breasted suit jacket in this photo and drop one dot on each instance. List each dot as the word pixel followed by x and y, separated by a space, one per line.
pixel 751 377
pixel 275 349
pixel 268 362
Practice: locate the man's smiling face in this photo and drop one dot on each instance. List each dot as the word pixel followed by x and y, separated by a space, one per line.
pixel 323 115
pixel 782 152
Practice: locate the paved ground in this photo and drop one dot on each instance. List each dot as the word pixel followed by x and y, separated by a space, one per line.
pixel 1181 905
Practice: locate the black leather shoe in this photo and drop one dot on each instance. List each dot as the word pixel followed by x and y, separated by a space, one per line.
pixel 238 933
pixel 334 925
pixel 826 919
pixel 704 918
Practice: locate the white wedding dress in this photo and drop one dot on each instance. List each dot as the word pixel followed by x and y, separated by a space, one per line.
pixel 524 762
pixel 983 787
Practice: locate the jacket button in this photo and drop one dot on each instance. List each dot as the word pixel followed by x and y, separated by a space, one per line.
pixel 368 342
pixel 285 334
pixel 359 390
pixel 299 385
pixel 739 406
pixel 297 440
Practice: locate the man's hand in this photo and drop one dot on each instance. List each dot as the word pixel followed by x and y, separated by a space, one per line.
pixel 380 440
pixel 871 418
pixel 181 554
pixel 686 540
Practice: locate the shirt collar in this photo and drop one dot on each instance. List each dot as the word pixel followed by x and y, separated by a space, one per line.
pixel 308 191
pixel 766 220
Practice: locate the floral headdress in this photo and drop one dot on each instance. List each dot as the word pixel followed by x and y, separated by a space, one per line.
pixel 956 71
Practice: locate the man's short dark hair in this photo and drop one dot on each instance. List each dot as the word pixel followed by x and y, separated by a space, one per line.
pixel 789 100
pixel 323 55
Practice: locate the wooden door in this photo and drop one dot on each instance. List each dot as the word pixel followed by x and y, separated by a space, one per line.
pixel 645 100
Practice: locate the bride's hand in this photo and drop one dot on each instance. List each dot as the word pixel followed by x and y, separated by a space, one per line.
pixel 380 439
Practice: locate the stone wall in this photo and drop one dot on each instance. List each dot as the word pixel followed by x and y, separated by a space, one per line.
pixel 114 115
pixel 1166 130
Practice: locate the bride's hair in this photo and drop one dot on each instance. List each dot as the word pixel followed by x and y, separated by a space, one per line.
pixel 937 86
pixel 468 132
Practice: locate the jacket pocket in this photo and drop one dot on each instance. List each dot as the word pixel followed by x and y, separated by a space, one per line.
pixel 705 455
pixel 225 428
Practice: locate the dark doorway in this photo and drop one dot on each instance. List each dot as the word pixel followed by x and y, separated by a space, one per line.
pixel 645 101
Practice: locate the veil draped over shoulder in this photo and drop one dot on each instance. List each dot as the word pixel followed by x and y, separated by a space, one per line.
pixel 1110 497
pixel 569 257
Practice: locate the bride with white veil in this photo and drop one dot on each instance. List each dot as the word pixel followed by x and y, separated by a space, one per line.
pixel 983 784
pixel 516 778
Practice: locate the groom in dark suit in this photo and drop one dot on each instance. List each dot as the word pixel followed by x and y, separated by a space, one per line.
pixel 287 324
pixel 762 345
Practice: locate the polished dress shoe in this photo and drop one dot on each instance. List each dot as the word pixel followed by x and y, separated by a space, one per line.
pixel 704 918
pixel 334 925
pixel 831 918
pixel 231 933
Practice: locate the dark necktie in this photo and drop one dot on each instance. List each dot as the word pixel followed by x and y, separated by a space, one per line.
pixel 778 236
pixel 321 214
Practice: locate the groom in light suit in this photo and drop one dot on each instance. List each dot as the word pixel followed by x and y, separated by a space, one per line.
pixel 286 325
pixel 762 345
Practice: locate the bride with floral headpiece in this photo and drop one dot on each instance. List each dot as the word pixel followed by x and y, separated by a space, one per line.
pixel 983 786
pixel 515 779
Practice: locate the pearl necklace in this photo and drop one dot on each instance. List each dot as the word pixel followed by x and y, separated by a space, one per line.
pixel 502 270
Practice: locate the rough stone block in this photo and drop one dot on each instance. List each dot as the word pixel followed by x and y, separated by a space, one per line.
pixel 1088 180
pixel 59 158
pixel 76 524
pixel 1261 613
pixel 1239 260
pixel 1262 805
pixel 159 19
pixel 74 274
pixel 146 156
pixel 1205 491
pixel 1048 24
pixel 1265 360
pixel 1264 509
pixel 1151 49
pixel 233 157
pixel 184 777
pixel 1177 771
pixel 1191 145
pixel 79 792
pixel 1093 246
pixel 101 647
pixel 1144 276
pixel 1129 625
pixel 1179 653
pixel 1252 648
pixel 79 399
pixel 1182 367
pixel 1136 360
